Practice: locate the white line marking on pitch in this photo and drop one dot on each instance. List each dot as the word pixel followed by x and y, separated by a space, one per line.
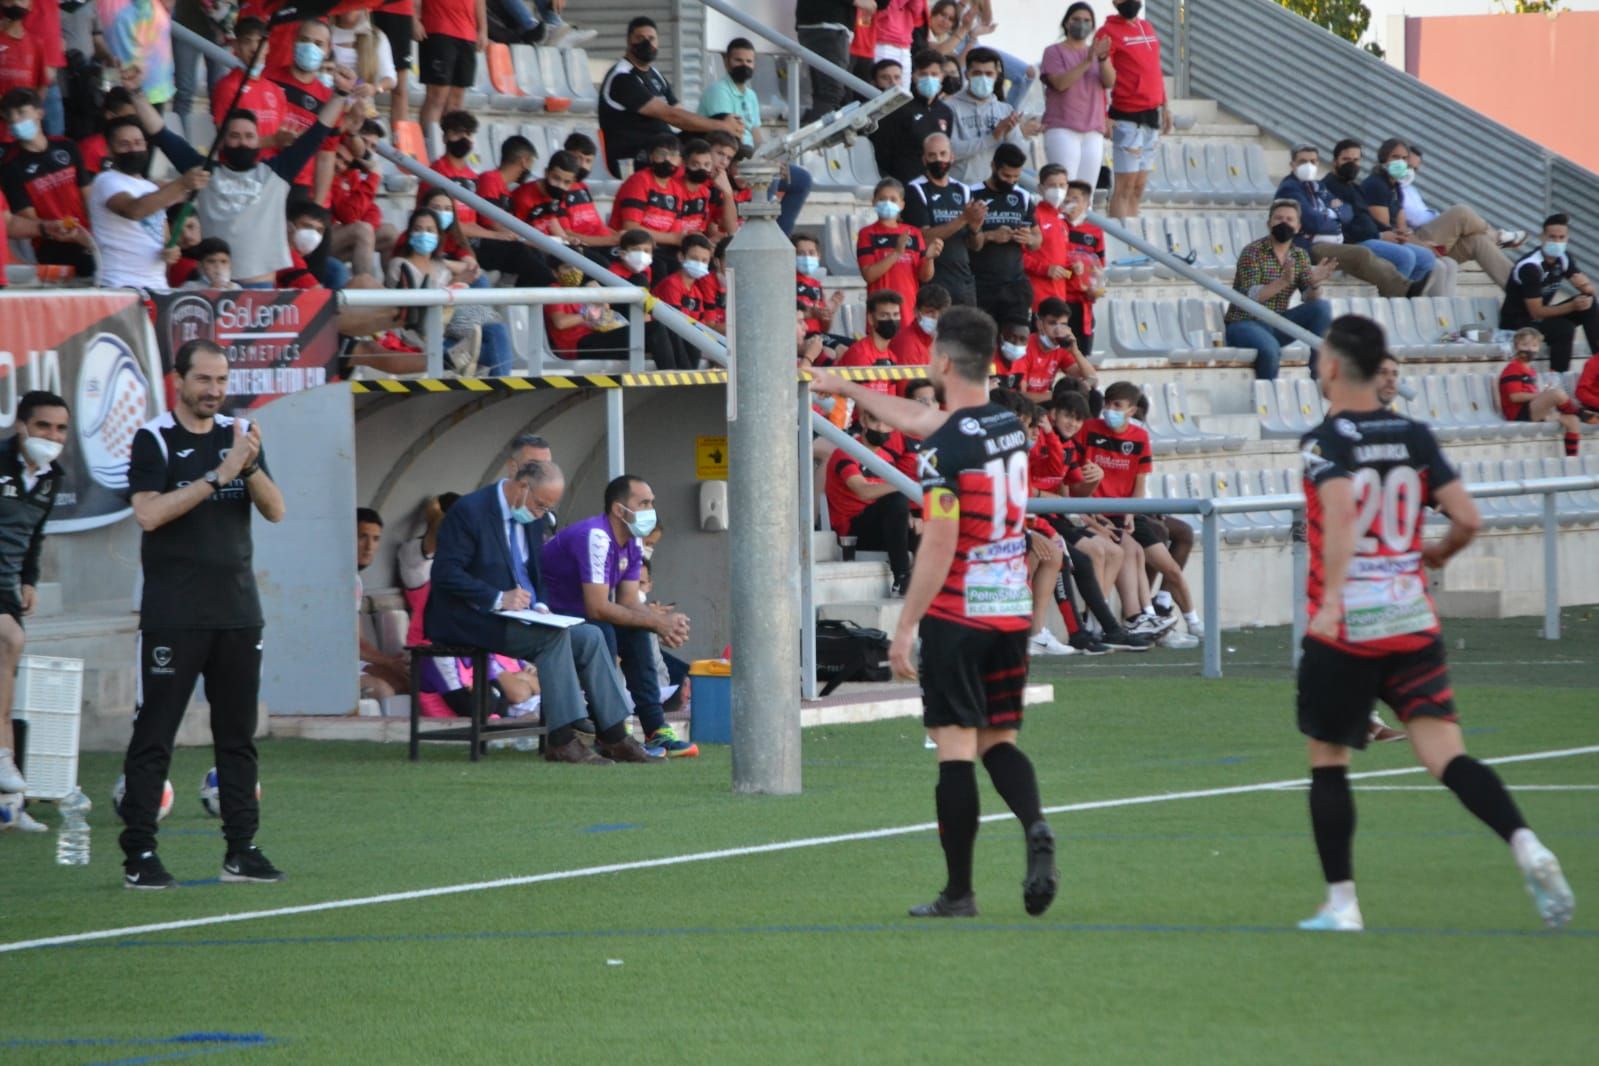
pixel 710 856
pixel 1440 789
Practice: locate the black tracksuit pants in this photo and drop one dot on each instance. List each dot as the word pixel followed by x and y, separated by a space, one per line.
pixel 170 662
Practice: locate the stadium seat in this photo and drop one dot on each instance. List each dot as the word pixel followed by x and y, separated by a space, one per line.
pixel 1168 182
pixel 1467 412
pixel 1123 263
pixel 526 63
pixel 1235 528
pixel 1260 176
pixel 1201 185
pixel 408 139
pixel 1274 525
pixel 770 82
pixel 1312 405
pixel 507 95
pixel 1241 180
pixel 839 234
pixel 1134 329
pixel 1218 172
pixel 1177 412
pixel 863 163
pixel 1484 395
pixel 580 79
pixel 1274 424
pixel 1573 507
pixel 1164 435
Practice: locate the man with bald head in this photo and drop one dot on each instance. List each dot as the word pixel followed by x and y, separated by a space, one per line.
pixel 944 210
pixel 486 563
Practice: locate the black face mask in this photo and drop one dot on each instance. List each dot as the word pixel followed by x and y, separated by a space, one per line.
pixel 1130 9
pixel 582 173
pixel 886 328
pixel 1002 186
pixel 875 437
pixel 938 170
pixel 696 177
pixel 13 12
pixel 131 162
pixel 952 85
pixel 664 169
pixel 460 149
pixel 1283 232
pixel 1347 171
pixel 644 52
pixel 741 74
pixel 240 157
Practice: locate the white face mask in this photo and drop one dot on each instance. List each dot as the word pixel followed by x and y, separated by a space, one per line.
pixel 638 261
pixel 219 279
pixel 40 452
pixel 696 269
pixel 927 324
pixel 307 239
pixel 1054 196
pixel 1305 172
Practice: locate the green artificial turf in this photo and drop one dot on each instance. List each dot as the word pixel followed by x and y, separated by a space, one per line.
pixel 1171 942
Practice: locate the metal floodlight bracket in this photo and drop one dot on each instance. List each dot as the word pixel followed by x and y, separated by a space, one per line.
pixel 843 126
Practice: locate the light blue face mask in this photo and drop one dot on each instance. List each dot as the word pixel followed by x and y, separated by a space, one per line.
pixel 927 88
pixel 1398 169
pixel 643 523
pixel 1554 249
pixel 1116 420
pixel 446 219
pixel 522 516
pixel 1013 352
pixel 887 210
pixel 308 56
pixel 981 86
pixel 807 264
pixel 26 130
pixel 696 269
pixel 424 242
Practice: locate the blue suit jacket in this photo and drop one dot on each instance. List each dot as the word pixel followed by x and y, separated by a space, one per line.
pixel 472 566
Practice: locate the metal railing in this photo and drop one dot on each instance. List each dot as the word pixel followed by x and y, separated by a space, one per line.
pixel 1317 88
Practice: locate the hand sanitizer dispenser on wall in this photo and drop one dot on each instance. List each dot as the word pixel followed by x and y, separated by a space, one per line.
pixel 713 506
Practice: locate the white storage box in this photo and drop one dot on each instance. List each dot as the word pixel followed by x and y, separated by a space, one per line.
pixel 50 699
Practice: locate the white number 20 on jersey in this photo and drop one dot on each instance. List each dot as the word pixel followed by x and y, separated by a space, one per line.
pixel 1392 504
pixel 1010 484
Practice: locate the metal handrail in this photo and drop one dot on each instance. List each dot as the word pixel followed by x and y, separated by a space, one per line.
pixel 464 297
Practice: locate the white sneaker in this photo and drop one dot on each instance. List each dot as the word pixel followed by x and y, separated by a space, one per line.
pixel 10 777
pixel 1195 629
pixel 568 36
pixel 929 743
pixel 1512 238
pixel 1547 885
pixel 1179 641
pixel 27 823
pixel 1046 643
pixel 1332 919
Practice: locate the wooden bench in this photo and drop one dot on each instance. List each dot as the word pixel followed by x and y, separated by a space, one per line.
pixel 479 731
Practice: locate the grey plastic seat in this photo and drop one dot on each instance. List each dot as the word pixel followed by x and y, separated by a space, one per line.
pixel 1196 172
pixel 1242 180
pixel 1213 258
pixel 1260 176
pixel 1218 173
pixel 1123 264
pixel 1166 181
pixel 1479 423
pixel 1131 337
pixel 1311 402
pixel 1296 420
pixel 1163 435
pixel 1235 528
pixel 525 64
pixel 585 94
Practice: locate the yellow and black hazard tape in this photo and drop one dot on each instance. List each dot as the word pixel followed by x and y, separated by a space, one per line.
pixel 648 379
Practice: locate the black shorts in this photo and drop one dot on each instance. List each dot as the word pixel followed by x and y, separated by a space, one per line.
pixel 448 61
pixel 397 28
pixel 1525 414
pixel 1337 690
pixel 10 604
pixel 972 677
pixel 1148 530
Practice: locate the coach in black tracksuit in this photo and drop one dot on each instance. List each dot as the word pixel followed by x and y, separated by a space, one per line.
pixel 193 479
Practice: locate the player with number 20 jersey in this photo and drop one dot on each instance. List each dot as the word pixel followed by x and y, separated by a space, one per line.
pixel 969 601
pixel 1370 475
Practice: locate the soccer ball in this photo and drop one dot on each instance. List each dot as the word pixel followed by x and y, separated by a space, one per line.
pixel 211 798
pixel 120 789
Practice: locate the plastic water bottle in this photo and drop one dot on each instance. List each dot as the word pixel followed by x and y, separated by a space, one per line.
pixel 72 841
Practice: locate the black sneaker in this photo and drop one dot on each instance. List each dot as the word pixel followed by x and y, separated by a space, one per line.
pixel 1121 640
pixel 249 867
pixel 944 907
pixel 1086 644
pixel 1038 887
pixel 901 583
pixel 146 874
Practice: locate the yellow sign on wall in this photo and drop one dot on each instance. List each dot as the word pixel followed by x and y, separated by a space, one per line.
pixel 710 458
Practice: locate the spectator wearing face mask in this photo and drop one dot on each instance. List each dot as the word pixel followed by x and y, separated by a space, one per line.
pixel 884 311
pixel 44 179
pixel 708 204
pixel 1459 231
pixel 637 104
pixel 262 97
pixel 819 308
pixel 864 507
pixel 1521 400
pixel 127 211
pixel 1046 266
pixel 982 120
pixel 1362 226
pixel 635 263
pixel 307 228
pixel 1139 114
pixel 1321 228
pixel 214 266
pixel 651 198
pixel 245 201
pixel 1548 292
pixel 892 254
pixel 913 342
pixel 680 289
pixel 733 94
pixel 1087 259
pixel 1077 75
pixel 901 134
pixel 491 248
pixel 945 210
pixel 498 185
pixel 308 81
pixel 1007 233
pixel 1270 271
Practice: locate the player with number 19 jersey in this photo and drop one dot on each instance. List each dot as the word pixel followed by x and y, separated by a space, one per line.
pixel 1396 467
pixel 974 467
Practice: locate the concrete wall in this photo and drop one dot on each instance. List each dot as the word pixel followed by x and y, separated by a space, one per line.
pixel 410 447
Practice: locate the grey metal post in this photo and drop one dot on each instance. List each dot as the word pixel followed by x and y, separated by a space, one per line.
pixel 1301 556
pixel 763 510
pixel 794 95
pixel 433 340
pixel 807 548
pixel 635 338
pixel 1210 544
pixel 615 446
pixel 1180 19
pixel 1551 568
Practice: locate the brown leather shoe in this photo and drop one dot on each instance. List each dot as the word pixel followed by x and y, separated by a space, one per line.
pixel 575 751
pixel 625 750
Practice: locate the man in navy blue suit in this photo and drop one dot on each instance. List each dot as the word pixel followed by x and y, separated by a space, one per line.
pixel 487 560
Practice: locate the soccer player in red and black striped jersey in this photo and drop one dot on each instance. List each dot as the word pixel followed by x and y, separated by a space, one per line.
pixel 969 600
pixel 1369 476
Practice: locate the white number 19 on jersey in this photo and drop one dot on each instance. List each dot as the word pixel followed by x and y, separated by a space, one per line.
pixel 1009 484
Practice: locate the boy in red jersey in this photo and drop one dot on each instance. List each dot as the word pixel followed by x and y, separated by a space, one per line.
pixel 1374 633
pixel 680 289
pixel 892 255
pixel 1522 400
pixel 883 312
pixel 969 601
pixel 1087 248
pixel 914 341
pixel 652 197
pixel 1046 265
pixel 1052 350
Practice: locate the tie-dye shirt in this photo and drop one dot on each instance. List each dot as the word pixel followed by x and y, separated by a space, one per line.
pixel 140 31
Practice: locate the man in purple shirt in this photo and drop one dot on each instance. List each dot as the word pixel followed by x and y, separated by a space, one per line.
pixel 591 570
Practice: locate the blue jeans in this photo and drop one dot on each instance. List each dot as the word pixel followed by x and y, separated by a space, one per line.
pixel 795 191
pixel 185 61
pixel 1015 71
pixel 632 645
pixel 1414 261
pixel 1315 316
pixel 55 112
pixel 496 353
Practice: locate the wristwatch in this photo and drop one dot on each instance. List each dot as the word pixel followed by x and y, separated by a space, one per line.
pixel 212 479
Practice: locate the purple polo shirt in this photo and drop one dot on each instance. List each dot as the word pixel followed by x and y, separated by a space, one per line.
pixel 585 553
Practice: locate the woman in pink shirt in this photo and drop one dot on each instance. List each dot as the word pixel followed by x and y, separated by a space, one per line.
pixel 1076 79
pixel 894 25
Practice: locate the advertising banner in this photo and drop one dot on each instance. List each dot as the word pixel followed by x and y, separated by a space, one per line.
pixel 96 350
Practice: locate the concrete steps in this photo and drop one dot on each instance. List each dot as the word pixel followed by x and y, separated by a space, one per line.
pixel 873 614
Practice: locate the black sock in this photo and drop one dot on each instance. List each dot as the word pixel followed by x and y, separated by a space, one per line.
pixel 1483 794
pixel 1014 780
pixel 560 737
pixel 614 733
pixel 1332 818
pixel 956 801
